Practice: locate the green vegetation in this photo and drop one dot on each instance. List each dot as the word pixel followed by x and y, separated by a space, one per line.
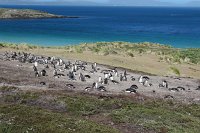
pixel 159 115
pixel 175 71
pixel 20 118
pixel 166 52
pixel 19 46
pixel 150 115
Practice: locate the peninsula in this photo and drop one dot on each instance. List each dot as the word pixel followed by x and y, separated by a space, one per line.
pixel 8 13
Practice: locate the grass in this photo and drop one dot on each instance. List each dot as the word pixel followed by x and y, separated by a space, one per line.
pixel 160 115
pixel 175 71
pixel 20 118
pixel 151 115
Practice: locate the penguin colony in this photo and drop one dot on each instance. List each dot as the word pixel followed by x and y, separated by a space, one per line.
pixel 83 71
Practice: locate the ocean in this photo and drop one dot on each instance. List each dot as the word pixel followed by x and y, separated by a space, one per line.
pixel 179 27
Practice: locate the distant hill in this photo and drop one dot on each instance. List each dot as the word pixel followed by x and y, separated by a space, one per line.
pixel 193 4
pixel 7 13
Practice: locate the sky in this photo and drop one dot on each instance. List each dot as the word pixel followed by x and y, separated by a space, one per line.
pixel 106 2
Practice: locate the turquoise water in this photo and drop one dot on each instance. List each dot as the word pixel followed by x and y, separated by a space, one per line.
pixel 179 27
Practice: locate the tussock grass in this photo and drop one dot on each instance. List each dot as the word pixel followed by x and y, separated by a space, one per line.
pixel 175 71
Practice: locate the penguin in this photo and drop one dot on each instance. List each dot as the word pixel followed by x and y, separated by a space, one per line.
pixel 37 74
pixel 164 84
pixel 125 73
pixel 70 86
pixel 125 78
pixel 88 89
pixel 132 78
pixel 173 89
pixel 130 90
pixel 105 81
pixel 116 74
pixel 88 76
pixel 43 73
pixel 121 77
pixel 168 97
pixel 114 82
pixel 71 76
pixel 101 88
pixel 134 87
pixel 181 88
pixel 55 73
pixel 106 75
pixel 81 77
pixel 141 80
pixel 198 88
pixel 95 85
pixel 100 80
pixel 36 63
pixel 35 68
pixel 42 83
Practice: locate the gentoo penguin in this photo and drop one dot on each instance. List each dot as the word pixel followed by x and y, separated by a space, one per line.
pixel 36 74
pixel 95 85
pixel 113 81
pixel 142 79
pixel 35 68
pixel 101 88
pixel 145 83
pixel 106 75
pixel 55 73
pixel 46 66
pixel 88 76
pixel 198 88
pixel 105 81
pixel 95 65
pixel 125 78
pixel 173 89
pixel 111 78
pixel 88 88
pixel 70 86
pixel 134 87
pixel 43 72
pixel 36 64
pixel 71 76
pixel 60 62
pixel 100 80
pixel 121 77
pixel 42 83
pixel 132 78
pixel 168 97
pixel 164 84
pixel 81 77
pixel 116 74
pixel 75 67
pixel 130 90
pixel 181 88
pixel 125 73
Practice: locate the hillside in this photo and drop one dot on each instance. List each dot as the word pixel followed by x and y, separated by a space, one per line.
pixel 6 13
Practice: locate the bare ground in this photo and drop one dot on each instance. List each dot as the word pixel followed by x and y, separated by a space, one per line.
pixel 21 75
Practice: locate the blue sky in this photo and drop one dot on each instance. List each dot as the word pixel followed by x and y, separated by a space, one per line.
pixel 108 2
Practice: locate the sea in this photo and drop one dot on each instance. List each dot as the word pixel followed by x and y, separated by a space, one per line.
pixel 175 26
